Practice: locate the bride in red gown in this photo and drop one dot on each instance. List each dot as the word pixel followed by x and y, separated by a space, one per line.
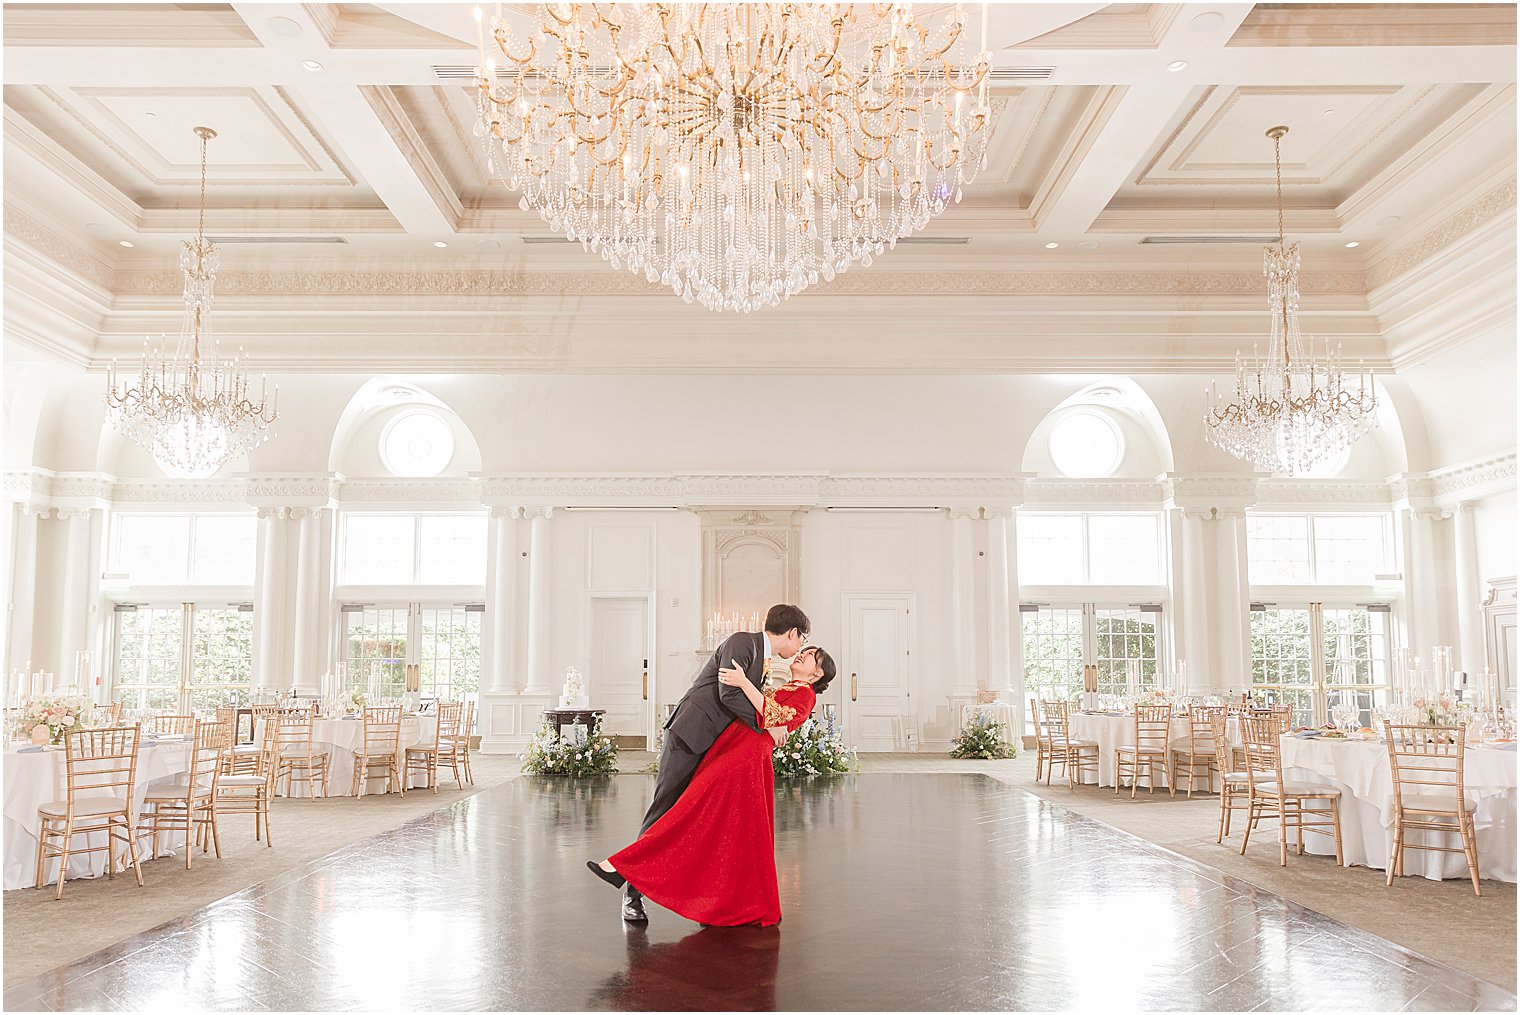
pixel 711 857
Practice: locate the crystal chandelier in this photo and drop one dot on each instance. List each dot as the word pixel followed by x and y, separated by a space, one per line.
pixel 1290 411
pixel 736 153
pixel 191 414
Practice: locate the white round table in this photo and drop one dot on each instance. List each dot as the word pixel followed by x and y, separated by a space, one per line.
pixel 1360 770
pixel 1112 730
pixel 339 738
pixel 34 777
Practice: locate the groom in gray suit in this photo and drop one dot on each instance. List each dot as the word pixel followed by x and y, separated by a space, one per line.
pixel 708 708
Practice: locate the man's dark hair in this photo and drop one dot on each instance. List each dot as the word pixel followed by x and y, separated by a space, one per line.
pixel 781 618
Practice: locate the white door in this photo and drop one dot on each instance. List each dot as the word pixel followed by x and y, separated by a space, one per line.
pixel 618 680
pixel 877 669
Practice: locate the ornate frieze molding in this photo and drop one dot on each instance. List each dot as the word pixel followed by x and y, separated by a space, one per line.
pixel 1282 493
pixel 47 241
pixel 449 491
pixel 292 490
pixel 922 491
pixel 198 492
pixel 1220 493
pixel 1093 492
pixel 758 490
pixel 485 282
pixel 1490 205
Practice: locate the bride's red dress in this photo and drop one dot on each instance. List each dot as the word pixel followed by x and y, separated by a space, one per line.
pixel 712 856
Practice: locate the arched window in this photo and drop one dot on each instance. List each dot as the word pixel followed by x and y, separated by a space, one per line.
pixel 418 443
pixel 1086 445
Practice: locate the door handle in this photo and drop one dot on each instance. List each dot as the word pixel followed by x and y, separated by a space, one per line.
pixel 646 685
pixel 854 686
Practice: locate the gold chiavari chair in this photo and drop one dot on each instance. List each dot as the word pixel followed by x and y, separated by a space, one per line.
pixel 1233 790
pixel 1430 793
pixel 190 800
pixel 379 749
pixel 171 725
pixel 1268 791
pixel 443 751
pixel 1043 748
pixel 466 738
pixel 1153 738
pixel 297 758
pixel 1074 756
pixel 1199 750
pixel 251 792
pixel 101 766
pixel 237 759
pixel 110 713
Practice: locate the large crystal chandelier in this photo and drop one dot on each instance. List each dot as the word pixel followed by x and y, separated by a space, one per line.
pixel 1290 411
pixel 736 153
pixel 192 414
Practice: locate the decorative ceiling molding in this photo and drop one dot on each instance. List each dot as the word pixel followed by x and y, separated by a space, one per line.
pixel 412 148
pixel 306 490
pixel 50 242
pixel 610 283
pixel 227 493
pixel 1354 24
pixel 1279 492
pixel 1221 492
pixel 1489 206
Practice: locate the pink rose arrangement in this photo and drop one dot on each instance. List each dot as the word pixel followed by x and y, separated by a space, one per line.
pixel 57 715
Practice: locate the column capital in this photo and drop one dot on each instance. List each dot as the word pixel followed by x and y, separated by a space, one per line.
pixel 998 511
pixel 967 511
pixel 504 511
pixel 542 511
pixel 1197 514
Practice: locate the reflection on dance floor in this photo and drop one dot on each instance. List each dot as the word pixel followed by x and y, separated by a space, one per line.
pixel 912 891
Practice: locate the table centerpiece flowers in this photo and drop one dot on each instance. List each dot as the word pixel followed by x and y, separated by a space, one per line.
pixel 48 719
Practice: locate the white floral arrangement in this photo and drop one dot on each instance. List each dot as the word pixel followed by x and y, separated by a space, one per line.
pixel 1439 710
pixel 57 715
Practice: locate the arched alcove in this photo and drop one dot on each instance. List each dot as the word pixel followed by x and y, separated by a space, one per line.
pixel 1107 429
pixel 394 427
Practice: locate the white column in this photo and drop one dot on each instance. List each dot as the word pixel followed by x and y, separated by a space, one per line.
pixel 1018 690
pixel 268 600
pixel 1232 619
pixel 74 609
pixel 539 590
pixel 962 606
pixel 23 591
pixel 999 626
pixel 1469 596
pixel 501 675
pixel 304 677
pixel 1192 591
pixel 1422 581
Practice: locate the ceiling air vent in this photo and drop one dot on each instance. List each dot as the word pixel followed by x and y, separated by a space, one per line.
pixel 221 240
pixel 531 240
pixel 1209 239
pixel 935 241
pixel 1020 73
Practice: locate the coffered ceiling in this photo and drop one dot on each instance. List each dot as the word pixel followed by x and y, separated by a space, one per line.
pixel 1122 211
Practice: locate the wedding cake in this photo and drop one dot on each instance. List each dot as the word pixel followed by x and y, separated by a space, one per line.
pixel 574 693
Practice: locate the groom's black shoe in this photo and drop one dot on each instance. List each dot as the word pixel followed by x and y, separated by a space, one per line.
pixel 613 878
pixel 633 905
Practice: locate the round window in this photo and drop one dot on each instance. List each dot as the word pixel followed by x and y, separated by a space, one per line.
pixel 417 444
pixel 1086 445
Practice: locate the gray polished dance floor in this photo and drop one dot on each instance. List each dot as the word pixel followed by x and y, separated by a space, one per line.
pixel 899 892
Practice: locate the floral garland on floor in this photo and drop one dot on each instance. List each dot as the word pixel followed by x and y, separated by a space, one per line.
pixel 814 748
pixel 981 738
pixel 550 754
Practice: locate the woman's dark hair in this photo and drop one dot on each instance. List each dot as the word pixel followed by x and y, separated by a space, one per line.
pixel 781 618
pixel 826 664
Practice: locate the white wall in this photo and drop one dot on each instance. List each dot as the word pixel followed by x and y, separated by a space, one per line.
pixel 1494 525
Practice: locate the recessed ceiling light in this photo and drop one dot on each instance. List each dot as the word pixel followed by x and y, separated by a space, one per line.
pixel 126 243
pixel 1388 220
pixel 1207 21
pixel 490 244
pixel 1177 65
pixel 1328 112
pixel 1051 246
pixel 311 65
pixel 285 26
pixel 440 244
pixel 1088 246
pixel 1353 243
pixel 151 115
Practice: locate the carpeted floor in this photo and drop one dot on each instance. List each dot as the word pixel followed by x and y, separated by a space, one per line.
pixel 1439 919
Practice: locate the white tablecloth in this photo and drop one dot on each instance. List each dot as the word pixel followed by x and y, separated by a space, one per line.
pixel 1359 769
pixel 35 778
pixel 1111 732
pixel 339 737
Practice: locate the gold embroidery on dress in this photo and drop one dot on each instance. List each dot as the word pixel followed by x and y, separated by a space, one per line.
pixel 777 714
